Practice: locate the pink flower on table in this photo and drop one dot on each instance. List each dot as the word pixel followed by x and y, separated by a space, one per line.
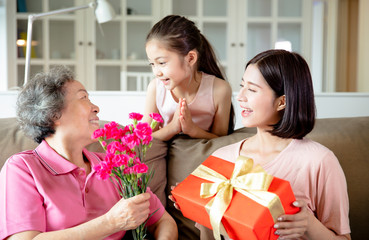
pixel 135 116
pixel 157 117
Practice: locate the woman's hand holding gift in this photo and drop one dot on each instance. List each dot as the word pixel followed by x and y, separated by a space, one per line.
pixel 294 225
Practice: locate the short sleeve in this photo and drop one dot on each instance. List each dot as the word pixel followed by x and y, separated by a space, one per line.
pixel 21 207
pixel 156 208
pixel 333 205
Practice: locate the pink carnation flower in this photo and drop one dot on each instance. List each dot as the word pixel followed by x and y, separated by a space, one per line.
pixel 131 140
pixel 98 133
pixel 143 130
pixel 128 170
pixel 121 160
pixel 103 170
pixel 135 116
pixel 157 117
pixel 140 168
pixel 114 147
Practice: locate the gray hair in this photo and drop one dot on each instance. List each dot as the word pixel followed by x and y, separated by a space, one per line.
pixel 41 101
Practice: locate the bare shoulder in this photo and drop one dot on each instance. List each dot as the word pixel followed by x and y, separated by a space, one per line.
pixel 152 86
pixel 222 89
pixel 150 103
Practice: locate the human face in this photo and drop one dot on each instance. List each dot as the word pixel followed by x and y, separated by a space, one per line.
pixel 79 116
pixel 168 66
pixel 260 107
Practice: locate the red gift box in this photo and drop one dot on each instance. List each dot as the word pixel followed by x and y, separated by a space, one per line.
pixel 244 218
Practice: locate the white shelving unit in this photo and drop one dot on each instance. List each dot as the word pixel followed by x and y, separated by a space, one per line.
pixel 237 29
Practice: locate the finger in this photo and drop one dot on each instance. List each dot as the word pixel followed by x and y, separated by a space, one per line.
pixel 177 206
pixel 291 234
pixel 299 203
pixel 143 197
pixel 290 225
pixel 172 198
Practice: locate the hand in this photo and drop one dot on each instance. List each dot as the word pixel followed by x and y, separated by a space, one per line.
pixel 185 118
pixel 173 199
pixel 129 213
pixel 175 123
pixel 295 225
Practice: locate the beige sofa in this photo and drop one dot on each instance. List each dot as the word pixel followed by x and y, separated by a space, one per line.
pixel 348 138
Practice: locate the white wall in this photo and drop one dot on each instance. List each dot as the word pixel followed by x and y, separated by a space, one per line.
pixel 115 106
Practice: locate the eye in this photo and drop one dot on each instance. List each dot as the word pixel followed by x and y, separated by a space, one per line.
pixel 151 64
pixel 251 90
pixel 241 85
pixel 162 63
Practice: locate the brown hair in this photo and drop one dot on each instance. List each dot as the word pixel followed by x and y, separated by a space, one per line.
pixel 287 73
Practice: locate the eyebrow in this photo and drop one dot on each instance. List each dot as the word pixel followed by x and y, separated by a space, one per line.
pixel 155 59
pixel 83 90
pixel 251 83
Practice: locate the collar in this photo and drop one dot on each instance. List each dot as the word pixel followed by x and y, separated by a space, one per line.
pixel 57 164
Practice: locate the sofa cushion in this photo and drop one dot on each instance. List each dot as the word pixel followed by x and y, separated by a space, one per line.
pixel 12 139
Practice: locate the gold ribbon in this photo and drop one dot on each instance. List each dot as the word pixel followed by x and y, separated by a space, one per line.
pixel 251 182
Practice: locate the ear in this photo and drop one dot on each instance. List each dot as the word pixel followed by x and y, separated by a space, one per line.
pixel 191 57
pixel 281 103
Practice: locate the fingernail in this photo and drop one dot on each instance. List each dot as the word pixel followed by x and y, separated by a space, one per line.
pixel 295 204
pixel 279 219
pixel 276 226
pixel 276 232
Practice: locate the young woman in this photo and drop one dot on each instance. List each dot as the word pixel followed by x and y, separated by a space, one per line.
pixel 277 98
pixel 189 91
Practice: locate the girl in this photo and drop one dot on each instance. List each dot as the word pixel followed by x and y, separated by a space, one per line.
pixel 189 91
pixel 277 98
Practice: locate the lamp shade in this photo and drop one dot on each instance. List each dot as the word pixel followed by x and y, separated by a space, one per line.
pixel 104 11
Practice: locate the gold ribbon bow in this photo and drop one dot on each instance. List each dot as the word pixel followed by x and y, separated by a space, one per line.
pixel 251 182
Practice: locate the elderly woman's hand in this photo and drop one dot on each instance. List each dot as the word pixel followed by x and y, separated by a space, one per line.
pixel 129 213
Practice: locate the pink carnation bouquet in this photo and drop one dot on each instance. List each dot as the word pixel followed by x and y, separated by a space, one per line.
pixel 125 153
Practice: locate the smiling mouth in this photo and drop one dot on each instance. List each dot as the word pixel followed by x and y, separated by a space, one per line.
pixel 165 81
pixel 95 121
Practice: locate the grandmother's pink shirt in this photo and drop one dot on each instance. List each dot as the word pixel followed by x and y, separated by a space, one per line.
pixel 41 191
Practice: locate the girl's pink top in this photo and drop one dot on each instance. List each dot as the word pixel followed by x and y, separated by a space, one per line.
pixel 42 191
pixel 202 107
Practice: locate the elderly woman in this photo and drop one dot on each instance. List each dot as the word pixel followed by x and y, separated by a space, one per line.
pixel 53 192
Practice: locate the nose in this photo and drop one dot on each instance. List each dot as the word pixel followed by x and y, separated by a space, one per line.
pixel 241 96
pixel 95 108
pixel 157 71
